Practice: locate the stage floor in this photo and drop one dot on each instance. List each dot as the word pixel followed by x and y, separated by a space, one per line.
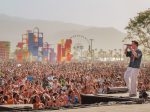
pixel 113 108
pixel 122 94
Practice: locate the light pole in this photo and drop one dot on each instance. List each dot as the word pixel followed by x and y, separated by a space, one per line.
pixel 91 48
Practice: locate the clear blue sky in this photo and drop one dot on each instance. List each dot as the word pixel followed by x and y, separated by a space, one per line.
pixel 100 13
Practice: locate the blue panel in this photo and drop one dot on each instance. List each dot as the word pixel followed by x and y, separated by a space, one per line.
pixel 30 42
pixel 32 46
pixel 45 53
pixel 35 51
pixel 40 41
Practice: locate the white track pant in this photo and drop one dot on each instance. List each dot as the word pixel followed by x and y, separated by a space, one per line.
pixel 131 80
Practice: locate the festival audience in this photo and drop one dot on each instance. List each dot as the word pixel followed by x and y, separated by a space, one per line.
pixel 60 85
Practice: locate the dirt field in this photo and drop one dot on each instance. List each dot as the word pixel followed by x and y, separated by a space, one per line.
pixel 116 108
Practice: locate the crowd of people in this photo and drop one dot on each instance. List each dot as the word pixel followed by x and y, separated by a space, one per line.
pixel 57 85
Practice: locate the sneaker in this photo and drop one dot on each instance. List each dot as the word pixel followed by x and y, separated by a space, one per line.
pixel 132 95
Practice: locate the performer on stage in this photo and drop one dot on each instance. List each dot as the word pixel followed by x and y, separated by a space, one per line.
pixel 132 72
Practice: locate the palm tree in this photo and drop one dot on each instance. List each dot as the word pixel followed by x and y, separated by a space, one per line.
pixel 100 53
pixel 104 55
pixel 110 54
pixel 117 55
pixel 115 51
pixel 120 50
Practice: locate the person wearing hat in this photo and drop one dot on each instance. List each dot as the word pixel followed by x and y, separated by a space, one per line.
pixel 132 72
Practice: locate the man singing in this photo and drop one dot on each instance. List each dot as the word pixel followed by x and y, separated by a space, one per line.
pixel 132 71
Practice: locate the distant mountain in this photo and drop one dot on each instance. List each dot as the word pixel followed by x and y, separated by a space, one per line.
pixel 12 28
